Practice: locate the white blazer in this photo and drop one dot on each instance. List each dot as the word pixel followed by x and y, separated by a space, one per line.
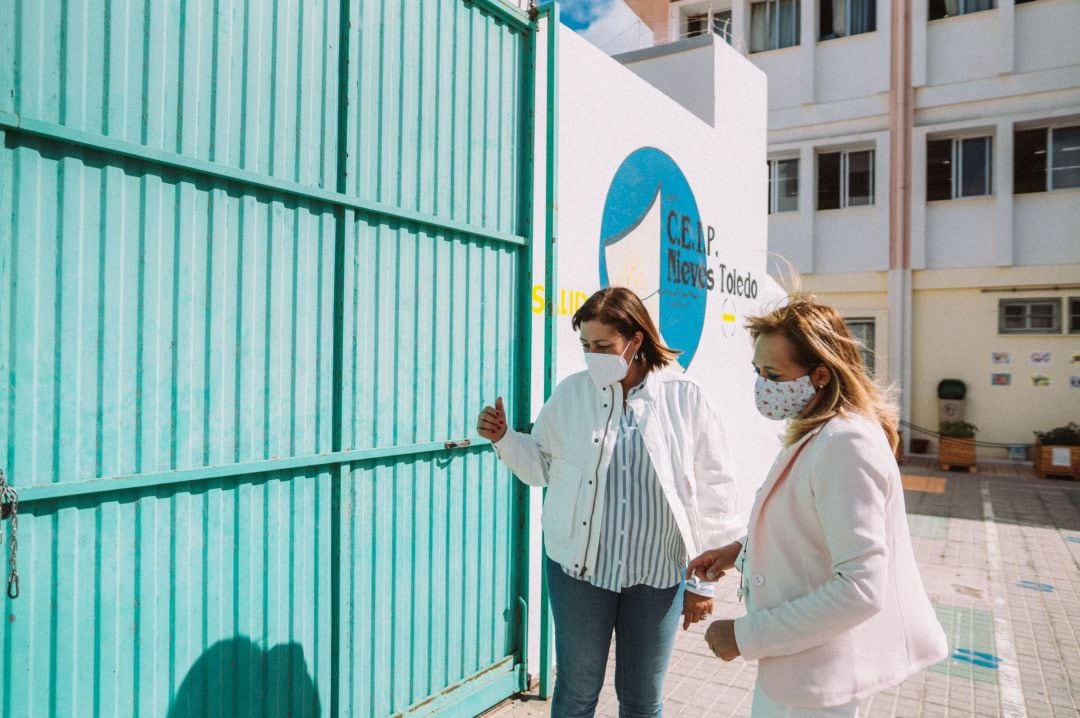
pixel 836 609
pixel 570 448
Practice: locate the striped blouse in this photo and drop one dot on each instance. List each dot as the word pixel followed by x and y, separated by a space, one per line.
pixel 639 541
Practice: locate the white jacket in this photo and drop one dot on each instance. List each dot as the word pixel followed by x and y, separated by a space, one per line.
pixel 836 609
pixel 570 448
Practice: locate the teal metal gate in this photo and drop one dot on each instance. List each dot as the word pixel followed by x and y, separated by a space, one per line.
pixel 260 265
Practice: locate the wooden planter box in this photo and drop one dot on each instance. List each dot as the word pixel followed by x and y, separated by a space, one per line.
pixel 956 452
pixel 1044 465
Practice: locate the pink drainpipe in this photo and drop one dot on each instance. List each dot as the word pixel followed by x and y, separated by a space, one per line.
pixel 901 120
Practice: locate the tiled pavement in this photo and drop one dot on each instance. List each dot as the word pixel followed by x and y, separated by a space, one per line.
pixel 1000 557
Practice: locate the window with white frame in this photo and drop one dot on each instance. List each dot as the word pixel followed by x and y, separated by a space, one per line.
pixel 1046 158
pixel 950 8
pixel 958 168
pixel 783 185
pixel 845 179
pixel 774 24
pixel 1074 315
pixel 863 329
pixel 1029 316
pixel 840 18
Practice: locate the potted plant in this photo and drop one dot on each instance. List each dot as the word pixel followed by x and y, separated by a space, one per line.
pixel 956 446
pixel 1057 451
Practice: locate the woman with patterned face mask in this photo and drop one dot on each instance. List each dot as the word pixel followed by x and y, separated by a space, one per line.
pixel 633 458
pixel 836 608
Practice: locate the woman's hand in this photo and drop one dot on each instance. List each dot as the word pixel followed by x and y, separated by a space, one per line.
pixel 695 608
pixel 712 564
pixel 491 424
pixel 721 639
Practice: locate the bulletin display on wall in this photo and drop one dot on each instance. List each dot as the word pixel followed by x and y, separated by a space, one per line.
pixel 1040 380
pixel 1001 379
pixel 1075 359
pixel 1074 382
pixel 1000 358
pixel 1040 358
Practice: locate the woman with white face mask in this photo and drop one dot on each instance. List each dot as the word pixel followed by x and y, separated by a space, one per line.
pixel 836 609
pixel 633 458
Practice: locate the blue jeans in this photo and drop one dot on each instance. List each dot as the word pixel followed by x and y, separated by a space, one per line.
pixel 644 620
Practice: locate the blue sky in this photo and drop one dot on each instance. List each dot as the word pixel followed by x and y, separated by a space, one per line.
pixel 609 24
pixel 579 14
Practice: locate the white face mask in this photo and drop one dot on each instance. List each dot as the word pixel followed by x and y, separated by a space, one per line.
pixel 783 399
pixel 606 369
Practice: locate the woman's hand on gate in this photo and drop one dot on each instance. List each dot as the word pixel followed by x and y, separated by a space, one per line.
pixel 491 424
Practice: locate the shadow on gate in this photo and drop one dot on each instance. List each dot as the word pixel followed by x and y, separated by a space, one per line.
pixel 238 678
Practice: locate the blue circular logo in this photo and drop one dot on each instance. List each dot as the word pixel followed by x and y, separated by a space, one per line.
pixel 651 241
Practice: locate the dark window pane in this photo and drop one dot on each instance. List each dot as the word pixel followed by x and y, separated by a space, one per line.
pixel 788 16
pixel 937 9
pixel 769 173
pixel 1029 161
pixel 828 181
pixel 695 25
pixel 975 160
pixel 863 16
pixel 787 191
pixel 1066 161
pixel 938 169
pixel 722 25
pixel 829 28
pixel 1074 314
pixel 860 178
pixel 759 27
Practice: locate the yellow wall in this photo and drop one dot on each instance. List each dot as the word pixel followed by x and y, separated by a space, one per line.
pixel 955 332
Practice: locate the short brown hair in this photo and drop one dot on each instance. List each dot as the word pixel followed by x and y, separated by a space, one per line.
pixel 621 309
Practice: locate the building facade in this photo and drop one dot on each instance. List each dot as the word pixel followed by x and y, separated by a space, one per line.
pixel 924 176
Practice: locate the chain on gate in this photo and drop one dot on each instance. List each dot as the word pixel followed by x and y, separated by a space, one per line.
pixel 9 509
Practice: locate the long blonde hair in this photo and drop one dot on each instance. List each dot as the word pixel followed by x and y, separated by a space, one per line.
pixel 821 338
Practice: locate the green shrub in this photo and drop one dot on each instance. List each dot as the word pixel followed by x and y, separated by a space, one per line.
pixel 1068 435
pixel 957 429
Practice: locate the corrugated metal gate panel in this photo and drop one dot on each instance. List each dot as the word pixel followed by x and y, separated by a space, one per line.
pixel 170 324
pixel 126 601
pixel 431 347
pixel 155 324
pixel 252 85
pixel 430 333
pixel 453 97
pixel 179 279
pixel 412 634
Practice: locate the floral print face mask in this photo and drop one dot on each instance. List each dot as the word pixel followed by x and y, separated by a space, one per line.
pixel 783 399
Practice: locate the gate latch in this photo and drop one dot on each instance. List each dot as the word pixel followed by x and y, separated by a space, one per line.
pixel 463 444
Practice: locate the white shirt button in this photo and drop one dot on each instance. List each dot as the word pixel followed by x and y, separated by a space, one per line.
pixel 757 579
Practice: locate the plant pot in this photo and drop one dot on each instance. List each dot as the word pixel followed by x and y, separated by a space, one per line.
pixel 1043 459
pixel 956 452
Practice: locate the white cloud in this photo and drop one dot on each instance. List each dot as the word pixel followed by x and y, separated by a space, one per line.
pixel 615 28
pixel 580 14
